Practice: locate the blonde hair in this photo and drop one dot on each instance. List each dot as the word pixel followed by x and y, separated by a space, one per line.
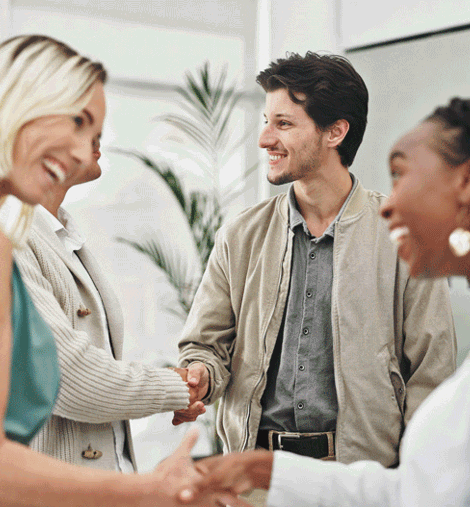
pixel 39 76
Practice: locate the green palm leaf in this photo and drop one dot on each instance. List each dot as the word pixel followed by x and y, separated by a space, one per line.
pixel 171 267
pixel 208 105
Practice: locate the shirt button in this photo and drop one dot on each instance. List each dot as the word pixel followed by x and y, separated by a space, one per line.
pixel 301 367
pixel 305 330
pixel 91 453
pixel 300 406
pixel 309 294
pixel 313 255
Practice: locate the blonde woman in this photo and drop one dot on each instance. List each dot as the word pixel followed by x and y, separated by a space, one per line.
pixel 51 114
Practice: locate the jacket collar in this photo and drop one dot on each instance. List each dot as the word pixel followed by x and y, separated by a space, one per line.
pixel 354 206
pixel 43 228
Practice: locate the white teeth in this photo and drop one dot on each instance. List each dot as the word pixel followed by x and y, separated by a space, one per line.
pixel 275 157
pixel 56 169
pixel 397 234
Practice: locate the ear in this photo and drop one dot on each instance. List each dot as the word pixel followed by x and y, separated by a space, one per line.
pixel 463 183
pixel 337 132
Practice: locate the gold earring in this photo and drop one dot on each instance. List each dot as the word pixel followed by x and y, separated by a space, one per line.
pixel 459 242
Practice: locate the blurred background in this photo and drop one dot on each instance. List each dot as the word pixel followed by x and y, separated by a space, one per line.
pixel 170 177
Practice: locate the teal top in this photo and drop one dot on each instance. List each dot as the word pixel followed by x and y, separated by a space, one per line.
pixel 34 381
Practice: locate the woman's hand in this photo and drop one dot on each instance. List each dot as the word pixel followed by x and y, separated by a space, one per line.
pixel 234 474
pixel 178 472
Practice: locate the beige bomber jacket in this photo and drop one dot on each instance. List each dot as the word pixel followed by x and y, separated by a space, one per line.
pixel 393 336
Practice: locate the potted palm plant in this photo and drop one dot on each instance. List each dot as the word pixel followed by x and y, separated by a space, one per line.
pixel 207 106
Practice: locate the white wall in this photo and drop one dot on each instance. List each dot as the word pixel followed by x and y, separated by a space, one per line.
pixel 4 19
pixel 300 25
pixel 366 22
pixel 135 51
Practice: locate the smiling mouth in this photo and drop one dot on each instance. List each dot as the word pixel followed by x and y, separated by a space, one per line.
pixel 398 234
pixel 55 169
pixel 275 158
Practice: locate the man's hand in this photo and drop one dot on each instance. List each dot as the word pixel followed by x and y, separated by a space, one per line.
pixel 197 377
pixel 235 474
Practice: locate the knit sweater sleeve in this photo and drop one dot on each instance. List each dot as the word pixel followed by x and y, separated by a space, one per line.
pixel 96 388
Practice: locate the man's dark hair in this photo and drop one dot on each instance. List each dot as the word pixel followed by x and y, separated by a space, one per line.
pixel 333 91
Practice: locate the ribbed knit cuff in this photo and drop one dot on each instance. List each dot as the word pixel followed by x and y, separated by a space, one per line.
pixel 176 391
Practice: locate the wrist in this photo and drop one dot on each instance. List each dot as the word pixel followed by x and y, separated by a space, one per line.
pixel 260 468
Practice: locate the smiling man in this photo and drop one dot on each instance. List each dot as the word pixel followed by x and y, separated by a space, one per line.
pixel 306 323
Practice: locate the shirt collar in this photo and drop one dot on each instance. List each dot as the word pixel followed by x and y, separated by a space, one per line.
pixel 66 229
pixel 296 218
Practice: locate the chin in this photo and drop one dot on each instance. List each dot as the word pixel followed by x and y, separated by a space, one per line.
pixel 432 267
pixel 280 179
pixel 29 198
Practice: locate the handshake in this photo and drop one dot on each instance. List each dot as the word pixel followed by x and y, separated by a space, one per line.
pixel 197 378
pixel 217 480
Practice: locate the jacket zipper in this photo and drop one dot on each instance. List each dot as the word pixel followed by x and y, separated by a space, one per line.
pixel 247 419
pixel 335 330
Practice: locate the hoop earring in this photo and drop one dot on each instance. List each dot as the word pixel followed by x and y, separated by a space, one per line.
pixel 459 242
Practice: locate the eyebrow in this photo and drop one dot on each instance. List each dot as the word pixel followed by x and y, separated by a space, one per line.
pixel 89 116
pixel 280 115
pixel 396 154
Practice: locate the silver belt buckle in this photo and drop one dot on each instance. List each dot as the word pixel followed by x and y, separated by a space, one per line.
pixel 280 436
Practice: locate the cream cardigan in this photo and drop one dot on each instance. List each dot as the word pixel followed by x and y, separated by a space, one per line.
pixel 95 389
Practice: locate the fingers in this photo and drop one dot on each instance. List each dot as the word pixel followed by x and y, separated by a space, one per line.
pixel 222 475
pixel 182 372
pixel 190 414
pixel 193 395
pixel 187 443
pixel 235 501
pixel 196 373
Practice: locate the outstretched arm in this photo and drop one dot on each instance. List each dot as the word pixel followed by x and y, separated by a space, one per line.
pixel 296 480
pixel 210 330
pixel 143 390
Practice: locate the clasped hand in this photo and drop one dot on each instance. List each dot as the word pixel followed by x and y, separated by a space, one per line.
pixel 197 378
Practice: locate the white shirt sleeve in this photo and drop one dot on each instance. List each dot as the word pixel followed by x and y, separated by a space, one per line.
pixel 434 469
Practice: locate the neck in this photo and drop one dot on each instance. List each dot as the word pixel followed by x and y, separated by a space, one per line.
pixel 53 201
pixel 321 196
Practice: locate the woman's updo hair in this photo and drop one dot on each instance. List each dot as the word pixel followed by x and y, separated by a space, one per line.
pixel 453 142
pixel 39 76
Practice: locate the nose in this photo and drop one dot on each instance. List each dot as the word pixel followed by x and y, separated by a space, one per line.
pixel 267 139
pixel 82 152
pixel 386 210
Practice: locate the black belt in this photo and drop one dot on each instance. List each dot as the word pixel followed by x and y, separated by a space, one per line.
pixel 315 445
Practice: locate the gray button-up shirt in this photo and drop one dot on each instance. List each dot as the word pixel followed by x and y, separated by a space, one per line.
pixel 301 393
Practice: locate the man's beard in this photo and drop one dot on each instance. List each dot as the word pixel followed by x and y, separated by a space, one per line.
pixel 289 177
pixel 282 179
pixel 305 166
